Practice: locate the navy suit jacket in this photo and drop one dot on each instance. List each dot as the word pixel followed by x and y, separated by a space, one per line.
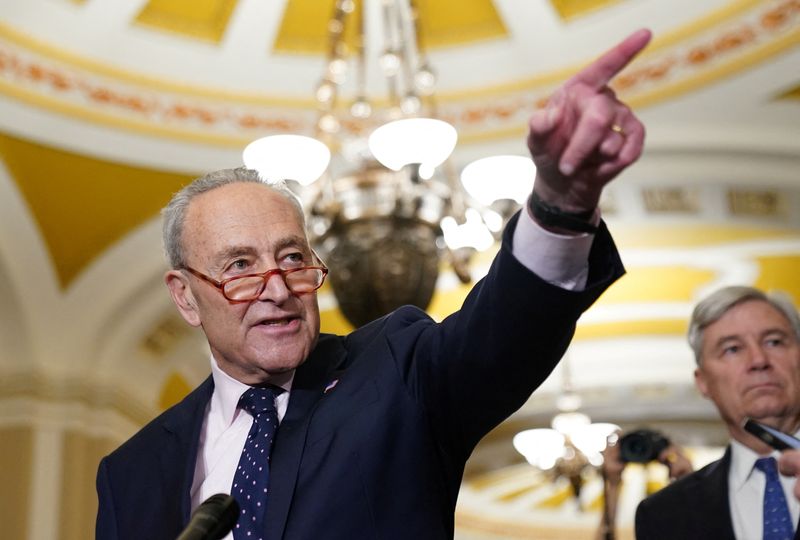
pixel 382 453
pixel 696 507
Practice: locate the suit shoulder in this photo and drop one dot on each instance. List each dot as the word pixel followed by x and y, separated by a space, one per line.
pixel 400 318
pixel 177 415
pixel 675 494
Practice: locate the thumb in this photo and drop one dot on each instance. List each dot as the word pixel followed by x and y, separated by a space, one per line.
pixel 789 462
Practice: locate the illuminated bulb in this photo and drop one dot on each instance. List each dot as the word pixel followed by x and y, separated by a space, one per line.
pixel 335 26
pixel 337 70
pixel 426 171
pixel 361 108
pixel 425 80
pixel 324 91
pixel 390 63
pixel 328 123
pixel 337 66
pixel 410 104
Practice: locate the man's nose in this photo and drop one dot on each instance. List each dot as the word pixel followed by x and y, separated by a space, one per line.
pixel 275 289
pixel 759 357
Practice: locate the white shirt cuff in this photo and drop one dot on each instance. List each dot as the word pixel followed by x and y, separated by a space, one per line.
pixel 561 260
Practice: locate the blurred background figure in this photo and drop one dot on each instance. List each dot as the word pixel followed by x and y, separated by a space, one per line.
pixel 640 446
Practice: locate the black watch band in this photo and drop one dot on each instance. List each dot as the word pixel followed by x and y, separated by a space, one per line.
pixel 553 216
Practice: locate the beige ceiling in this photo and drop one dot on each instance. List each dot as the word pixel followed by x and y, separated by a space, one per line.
pixel 106 108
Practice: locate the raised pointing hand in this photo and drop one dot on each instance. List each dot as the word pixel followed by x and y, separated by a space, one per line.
pixel 585 136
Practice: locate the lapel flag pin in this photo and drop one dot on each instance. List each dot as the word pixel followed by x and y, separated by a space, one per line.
pixel 331 386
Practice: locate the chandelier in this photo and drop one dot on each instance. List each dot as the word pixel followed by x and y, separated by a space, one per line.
pixel 385 207
pixel 572 447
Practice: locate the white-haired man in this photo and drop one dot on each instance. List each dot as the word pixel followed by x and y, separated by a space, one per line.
pixel 374 427
pixel 747 347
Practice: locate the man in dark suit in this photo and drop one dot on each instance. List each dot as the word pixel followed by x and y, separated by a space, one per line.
pixel 747 348
pixel 375 427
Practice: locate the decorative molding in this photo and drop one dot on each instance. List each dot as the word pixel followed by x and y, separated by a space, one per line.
pixel 165 335
pixel 757 203
pixel 671 200
pixel 100 93
pixel 44 390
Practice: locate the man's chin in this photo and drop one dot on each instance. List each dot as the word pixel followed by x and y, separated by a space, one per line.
pixel 766 409
pixel 282 367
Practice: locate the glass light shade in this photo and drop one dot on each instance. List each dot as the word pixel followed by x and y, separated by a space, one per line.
pixel 287 157
pixel 591 439
pixel 568 401
pixel 499 177
pixel 570 422
pixel 540 447
pixel 425 141
pixel 472 233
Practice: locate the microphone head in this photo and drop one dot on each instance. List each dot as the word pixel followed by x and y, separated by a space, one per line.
pixel 219 513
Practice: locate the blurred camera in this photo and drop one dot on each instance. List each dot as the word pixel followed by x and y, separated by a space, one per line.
pixel 641 446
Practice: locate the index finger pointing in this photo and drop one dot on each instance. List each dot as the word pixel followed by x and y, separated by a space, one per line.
pixel 600 72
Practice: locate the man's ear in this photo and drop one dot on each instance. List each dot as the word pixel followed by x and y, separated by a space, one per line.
pixel 181 293
pixel 700 382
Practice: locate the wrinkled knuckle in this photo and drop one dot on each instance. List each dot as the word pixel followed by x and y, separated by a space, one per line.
pixel 599 115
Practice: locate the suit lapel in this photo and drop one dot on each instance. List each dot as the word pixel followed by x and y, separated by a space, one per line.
pixel 715 491
pixel 183 425
pixel 712 500
pixel 307 388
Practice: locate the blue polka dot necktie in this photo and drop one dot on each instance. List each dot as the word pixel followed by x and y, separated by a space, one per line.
pixel 251 481
pixel 777 521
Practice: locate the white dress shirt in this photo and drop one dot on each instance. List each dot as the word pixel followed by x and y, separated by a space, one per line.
pixel 746 493
pixel 223 434
pixel 558 259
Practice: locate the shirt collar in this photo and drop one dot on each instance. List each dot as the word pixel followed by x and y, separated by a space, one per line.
pixel 743 459
pixel 228 390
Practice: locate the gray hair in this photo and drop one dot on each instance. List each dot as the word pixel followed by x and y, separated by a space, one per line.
pixel 713 307
pixel 174 214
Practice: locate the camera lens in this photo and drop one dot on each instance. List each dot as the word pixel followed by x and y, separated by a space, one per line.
pixel 642 446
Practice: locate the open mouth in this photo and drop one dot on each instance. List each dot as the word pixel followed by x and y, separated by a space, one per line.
pixel 278 322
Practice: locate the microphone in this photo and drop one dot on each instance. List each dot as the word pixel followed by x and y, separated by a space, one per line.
pixel 213 519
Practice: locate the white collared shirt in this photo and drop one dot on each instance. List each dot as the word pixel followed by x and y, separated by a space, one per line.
pixel 746 493
pixel 223 434
pixel 558 259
